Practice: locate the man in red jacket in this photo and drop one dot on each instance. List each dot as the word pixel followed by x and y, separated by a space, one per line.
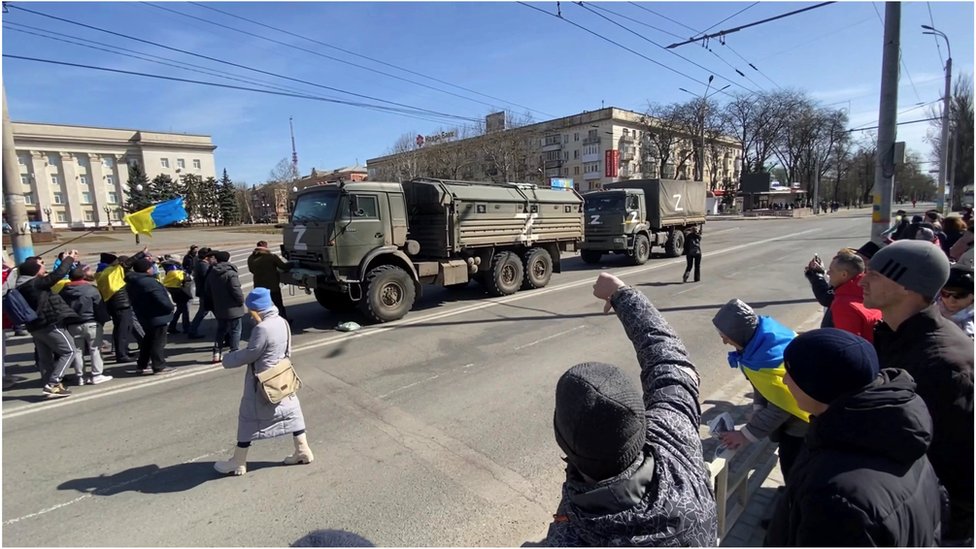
pixel 847 311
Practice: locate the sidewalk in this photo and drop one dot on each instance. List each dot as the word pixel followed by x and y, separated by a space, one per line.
pixel 748 530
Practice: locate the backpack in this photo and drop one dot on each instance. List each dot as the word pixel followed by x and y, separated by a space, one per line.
pixel 15 307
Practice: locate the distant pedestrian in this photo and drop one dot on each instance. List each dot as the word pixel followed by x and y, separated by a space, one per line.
pixel 266 269
pixel 759 342
pixel 863 479
pixel 83 297
pixel 956 298
pixel 693 254
pixel 257 417
pixel 227 299
pixel 205 260
pixel 177 283
pixel 190 260
pixel 903 281
pixel 635 474
pixel 154 312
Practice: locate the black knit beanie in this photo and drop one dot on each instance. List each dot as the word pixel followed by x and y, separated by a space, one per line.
pixel 222 257
pixel 599 419
pixel 829 363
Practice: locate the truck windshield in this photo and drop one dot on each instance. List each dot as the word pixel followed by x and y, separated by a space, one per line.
pixel 605 202
pixel 316 206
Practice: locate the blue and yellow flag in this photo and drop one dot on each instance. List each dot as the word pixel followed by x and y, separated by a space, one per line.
pixel 157 215
pixel 110 280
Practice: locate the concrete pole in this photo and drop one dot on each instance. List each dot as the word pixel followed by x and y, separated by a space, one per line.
pixel 15 210
pixel 816 185
pixel 950 181
pixel 944 161
pixel 887 129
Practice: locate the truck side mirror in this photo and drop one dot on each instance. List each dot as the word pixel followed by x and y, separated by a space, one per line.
pixel 353 205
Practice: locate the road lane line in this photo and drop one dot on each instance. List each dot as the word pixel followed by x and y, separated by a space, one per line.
pixel 492 302
pixel 520 347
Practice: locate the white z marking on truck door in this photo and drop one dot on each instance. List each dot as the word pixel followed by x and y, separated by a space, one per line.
pixel 632 218
pixel 595 220
pixel 526 234
pixel 299 233
pixel 677 203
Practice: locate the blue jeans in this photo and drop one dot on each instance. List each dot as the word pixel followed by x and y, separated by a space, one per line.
pixel 229 329
pixel 198 320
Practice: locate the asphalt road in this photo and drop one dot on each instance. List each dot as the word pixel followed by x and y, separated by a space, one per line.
pixel 433 430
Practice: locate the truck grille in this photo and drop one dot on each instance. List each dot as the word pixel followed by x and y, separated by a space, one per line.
pixel 310 257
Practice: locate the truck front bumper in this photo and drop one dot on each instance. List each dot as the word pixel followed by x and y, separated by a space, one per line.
pixel 311 278
pixel 608 243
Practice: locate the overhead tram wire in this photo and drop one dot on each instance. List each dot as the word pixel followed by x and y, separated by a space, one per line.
pixel 117 50
pixel 374 60
pixel 817 39
pixel 897 124
pixel 900 56
pixel 750 6
pixel 319 54
pixel 938 46
pixel 746 61
pixel 373 106
pixel 753 24
pixel 619 45
pixel 419 110
pixel 649 10
pixel 639 22
pixel 642 37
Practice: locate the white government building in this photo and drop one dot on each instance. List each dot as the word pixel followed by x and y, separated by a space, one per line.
pixel 75 176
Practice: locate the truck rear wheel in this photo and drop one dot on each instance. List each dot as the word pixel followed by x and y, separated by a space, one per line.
pixel 389 294
pixel 591 257
pixel 334 301
pixel 642 250
pixel 505 276
pixel 675 244
pixel 538 268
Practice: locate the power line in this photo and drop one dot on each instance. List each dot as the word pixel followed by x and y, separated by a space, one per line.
pixel 750 6
pixel 746 26
pixel 406 112
pixel 934 37
pixel 649 10
pixel 238 65
pixel 586 7
pixel 746 61
pixel 639 22
pixel 618 44
pixel 336 59
pixel 897 124
pixel 374 60
pixel 817 39
pixel 900 57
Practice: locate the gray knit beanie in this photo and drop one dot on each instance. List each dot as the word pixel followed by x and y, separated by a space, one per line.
pixel 918 266
pixel 599 419
pixel 737 321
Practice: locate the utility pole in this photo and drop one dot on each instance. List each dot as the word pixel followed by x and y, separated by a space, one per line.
pixel 944 164
pixel 887 129
pixel 816 184
pixel 14 206
pixel 950 178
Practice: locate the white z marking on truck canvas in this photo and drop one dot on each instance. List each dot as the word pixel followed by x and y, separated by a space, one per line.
pixel 595 220
pixel 299 233
pixel 677 203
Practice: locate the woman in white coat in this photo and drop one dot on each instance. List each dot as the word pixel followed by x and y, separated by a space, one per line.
pixel 259 419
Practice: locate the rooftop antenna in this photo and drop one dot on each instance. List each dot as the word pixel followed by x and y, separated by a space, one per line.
pixel 294 152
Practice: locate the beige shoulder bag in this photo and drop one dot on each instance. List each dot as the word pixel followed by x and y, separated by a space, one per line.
pixel 281 381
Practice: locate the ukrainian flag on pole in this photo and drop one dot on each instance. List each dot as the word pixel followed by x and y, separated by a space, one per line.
pixel 157 215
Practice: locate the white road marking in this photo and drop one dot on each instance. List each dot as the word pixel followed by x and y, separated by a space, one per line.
pixel 549 337
pixel 686 291
pixel 419 319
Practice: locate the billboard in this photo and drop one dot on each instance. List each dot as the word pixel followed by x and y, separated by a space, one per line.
pixel 755 183
pixel 560 183
pixel 611 161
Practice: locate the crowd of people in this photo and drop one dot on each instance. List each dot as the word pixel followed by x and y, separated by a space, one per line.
pixel 64 310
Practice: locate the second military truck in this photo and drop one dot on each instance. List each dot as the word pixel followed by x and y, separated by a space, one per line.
pixel 372 245
pixel 629 217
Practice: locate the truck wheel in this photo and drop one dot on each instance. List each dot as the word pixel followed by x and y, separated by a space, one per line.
pixel 538 268
pixel 675 245
pixel 642 250
pixel 591 257
pixel 389 294
pixel 505 277
pixel 334 301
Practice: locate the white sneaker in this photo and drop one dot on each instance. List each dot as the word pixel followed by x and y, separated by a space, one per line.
pixel 100 379
pixel 79 380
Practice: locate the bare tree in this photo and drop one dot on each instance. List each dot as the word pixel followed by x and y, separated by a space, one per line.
pixel 666 139
pixel 283 172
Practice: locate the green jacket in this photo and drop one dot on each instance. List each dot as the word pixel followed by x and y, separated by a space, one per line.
pixel 264 266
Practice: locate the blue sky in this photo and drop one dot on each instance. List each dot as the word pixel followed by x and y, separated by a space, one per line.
pixel 504 50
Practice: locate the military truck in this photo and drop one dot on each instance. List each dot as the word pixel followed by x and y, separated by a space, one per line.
pixel 630 217
pixel 372 245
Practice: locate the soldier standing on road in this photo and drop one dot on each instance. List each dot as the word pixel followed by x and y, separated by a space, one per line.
pixel 257 417
pixel 265 267
pixel 693 254
pixel 635 474
pixel 224 293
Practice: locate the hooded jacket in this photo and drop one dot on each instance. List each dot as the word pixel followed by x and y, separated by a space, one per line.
pixel 85 300
pixel 200 270
pixel 224 292
pixel 50 307
pixel 939 356
pixel 264 265
pixel 154 305
pixel 848 312
pixel 863 478
pixel 665 497
pixel 962 318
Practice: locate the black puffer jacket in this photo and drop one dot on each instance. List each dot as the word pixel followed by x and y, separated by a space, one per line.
pixel 863 479
pixel 50 307
pixel 154 308
pixel 664 499
pixel 693 243
pixel 939 356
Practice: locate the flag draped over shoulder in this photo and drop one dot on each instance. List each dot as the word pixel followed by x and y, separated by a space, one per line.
pixel 155 216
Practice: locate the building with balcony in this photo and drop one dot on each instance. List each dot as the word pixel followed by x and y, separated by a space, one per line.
pixel 75 176
pixel 591 148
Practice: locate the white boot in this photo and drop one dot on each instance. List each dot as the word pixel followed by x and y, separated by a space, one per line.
pixel 236 465
pixel 303 454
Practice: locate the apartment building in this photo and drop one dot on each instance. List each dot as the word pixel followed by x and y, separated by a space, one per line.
pixel 75 176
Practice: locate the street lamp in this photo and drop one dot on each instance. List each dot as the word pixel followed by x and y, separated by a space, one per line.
pixel 108 215
pixel 943 168
pixel 47 212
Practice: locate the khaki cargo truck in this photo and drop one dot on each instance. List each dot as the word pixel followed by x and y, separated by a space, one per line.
pixel 372 245
pixel 630 217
